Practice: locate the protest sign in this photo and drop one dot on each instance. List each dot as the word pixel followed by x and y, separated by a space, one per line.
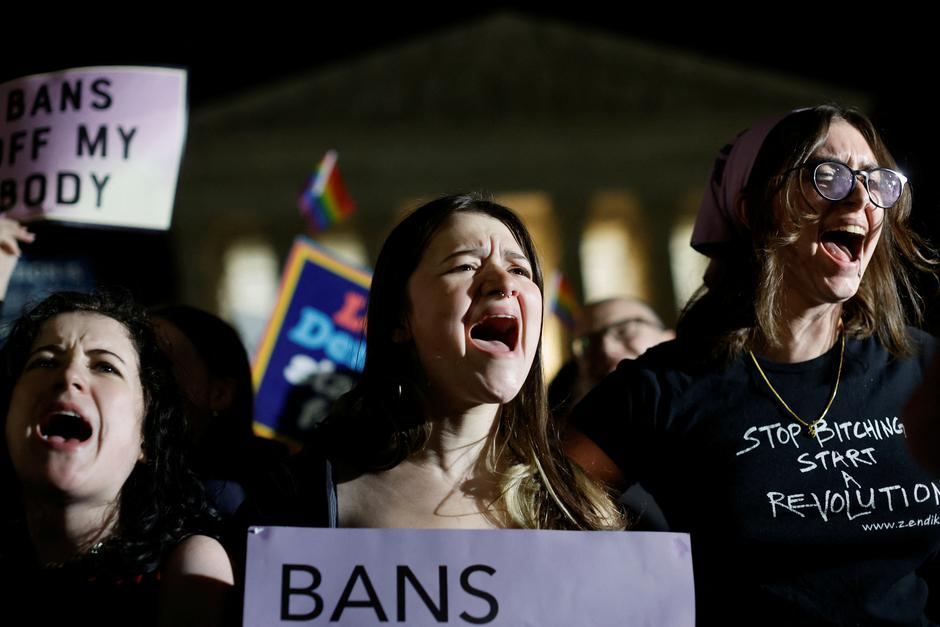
pixel 98 146
pixel 512 577
pixel 313 345
pixel 35 278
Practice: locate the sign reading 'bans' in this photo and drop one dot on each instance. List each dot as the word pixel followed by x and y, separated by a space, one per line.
pixel 418 577
pixel 99 145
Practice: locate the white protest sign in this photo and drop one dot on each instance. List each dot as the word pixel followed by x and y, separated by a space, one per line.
pixel 510 577
pixel 97 145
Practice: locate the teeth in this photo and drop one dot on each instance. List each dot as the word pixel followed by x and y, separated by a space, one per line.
pixel 854 229
pixel 497 316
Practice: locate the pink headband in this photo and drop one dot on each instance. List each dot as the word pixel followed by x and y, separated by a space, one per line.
pixel 717 221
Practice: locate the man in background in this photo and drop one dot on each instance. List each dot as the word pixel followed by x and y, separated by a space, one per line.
pixel 607 332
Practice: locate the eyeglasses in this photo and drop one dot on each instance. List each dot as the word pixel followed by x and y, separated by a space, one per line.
pixel 835 181
pixel 622 331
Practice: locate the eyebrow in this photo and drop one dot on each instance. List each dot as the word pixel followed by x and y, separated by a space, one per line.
pixel 828 156
pixel 517 257
pixel 481 252
pixel 470 252
pixel 58 350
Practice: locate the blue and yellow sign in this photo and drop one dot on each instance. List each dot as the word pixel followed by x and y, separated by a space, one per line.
pixel 314 344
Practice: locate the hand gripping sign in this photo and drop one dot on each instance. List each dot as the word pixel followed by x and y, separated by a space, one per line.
pixel 97 146
pixel 512 577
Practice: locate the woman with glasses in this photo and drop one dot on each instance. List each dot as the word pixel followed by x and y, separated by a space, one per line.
pixel 770 428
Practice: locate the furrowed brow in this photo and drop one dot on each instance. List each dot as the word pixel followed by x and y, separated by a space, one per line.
pixel 50 348
pixel 827 156
pixel 469 252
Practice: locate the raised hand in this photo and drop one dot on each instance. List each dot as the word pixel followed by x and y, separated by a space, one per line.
pixel 12 234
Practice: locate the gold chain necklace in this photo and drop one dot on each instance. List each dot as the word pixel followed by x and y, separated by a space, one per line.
pixel 810 426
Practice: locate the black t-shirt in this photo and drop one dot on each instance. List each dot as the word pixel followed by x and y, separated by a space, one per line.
pixel 786 529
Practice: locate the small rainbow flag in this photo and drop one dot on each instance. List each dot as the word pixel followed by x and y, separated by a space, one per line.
pixel 324 200
pixel 565 304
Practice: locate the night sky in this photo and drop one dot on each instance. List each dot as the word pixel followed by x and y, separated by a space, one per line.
pixel 227 52
pixel 888 54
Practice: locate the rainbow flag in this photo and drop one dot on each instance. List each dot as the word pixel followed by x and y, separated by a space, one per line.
pixel 565 304
pixel 324 200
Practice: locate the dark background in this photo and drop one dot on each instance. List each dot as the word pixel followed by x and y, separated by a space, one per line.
pixel 887 52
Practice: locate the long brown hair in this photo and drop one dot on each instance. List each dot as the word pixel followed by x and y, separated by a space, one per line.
pixel 383 420
pixel 740 303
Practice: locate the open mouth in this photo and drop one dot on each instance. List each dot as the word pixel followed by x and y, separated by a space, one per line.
pixel 65 426
pixel 497 333
pixel 844 243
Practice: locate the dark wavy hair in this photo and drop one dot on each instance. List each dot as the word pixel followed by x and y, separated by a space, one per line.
pixel 740 304
pixel 383 419
pixel 162 501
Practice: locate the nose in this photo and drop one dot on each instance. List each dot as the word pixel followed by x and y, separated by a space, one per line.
pixel 859 197
pixel 499 282
pixel 616 350
pixel 73 377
